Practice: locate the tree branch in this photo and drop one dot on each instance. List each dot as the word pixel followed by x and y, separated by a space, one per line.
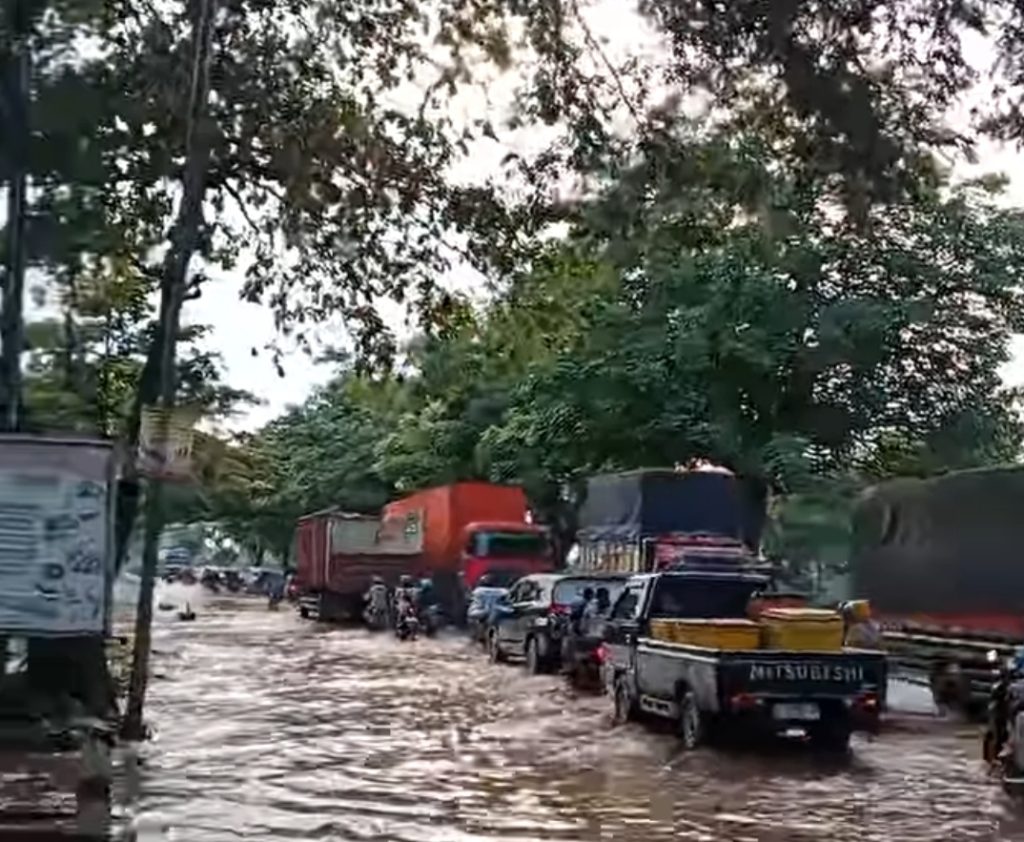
pixel 237 196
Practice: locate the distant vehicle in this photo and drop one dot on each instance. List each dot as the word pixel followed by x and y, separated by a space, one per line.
pixel 211 579
pixel 468 530
pixel 940 562
pixel 709 688
pixel 338 554
pixel 537 615
pixel 233 580
pixel 658 519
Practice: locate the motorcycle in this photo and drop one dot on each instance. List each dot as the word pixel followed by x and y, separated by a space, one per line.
pixel 431 620
pixel 376 619
pixel 1003 742
pixel 407 624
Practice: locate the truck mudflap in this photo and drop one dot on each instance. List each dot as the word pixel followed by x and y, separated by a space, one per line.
pixel 852 675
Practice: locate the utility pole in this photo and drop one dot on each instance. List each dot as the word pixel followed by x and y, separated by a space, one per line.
pixel 14 109
pixel 173 286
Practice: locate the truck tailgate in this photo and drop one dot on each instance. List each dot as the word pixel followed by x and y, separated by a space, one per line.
pixel 806 674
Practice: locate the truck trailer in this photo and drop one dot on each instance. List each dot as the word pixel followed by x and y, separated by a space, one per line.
pixel 338 554
pixel 939 560
pixel 655 519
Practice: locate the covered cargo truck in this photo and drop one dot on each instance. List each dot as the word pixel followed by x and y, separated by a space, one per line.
pixel 469 529
pixel 337 556
pixel 656 519
pixel 940 561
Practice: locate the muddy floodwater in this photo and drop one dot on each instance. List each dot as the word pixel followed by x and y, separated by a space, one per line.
pixel 268 727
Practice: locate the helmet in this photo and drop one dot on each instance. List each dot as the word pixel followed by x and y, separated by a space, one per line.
pixel 377 580
pixel 857 610
pixel 405 581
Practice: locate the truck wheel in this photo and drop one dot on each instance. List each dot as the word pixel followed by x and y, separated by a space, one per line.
pixel 691 721
pixel 534 662
pixel 494 653
pixel 832 735
pixel 624 710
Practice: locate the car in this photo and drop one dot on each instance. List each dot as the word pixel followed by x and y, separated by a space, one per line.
pixel 538 614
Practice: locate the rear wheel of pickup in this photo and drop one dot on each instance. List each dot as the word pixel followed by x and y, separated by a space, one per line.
pixel 494 652
pixel 691 726
pixel 534 663
pixel 625 709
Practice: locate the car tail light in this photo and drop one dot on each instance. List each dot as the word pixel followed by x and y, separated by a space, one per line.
pixel 601 653
pixel 867 702
pixel 744 701
pixel 559 608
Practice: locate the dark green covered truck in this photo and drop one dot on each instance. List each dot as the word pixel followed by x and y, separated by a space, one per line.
pixel 942 562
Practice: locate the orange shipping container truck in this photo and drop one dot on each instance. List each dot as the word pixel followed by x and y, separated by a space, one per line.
pixel 468 530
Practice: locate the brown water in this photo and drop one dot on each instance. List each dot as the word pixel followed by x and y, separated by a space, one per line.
pixel 272 728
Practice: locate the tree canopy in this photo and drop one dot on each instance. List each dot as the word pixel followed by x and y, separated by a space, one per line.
pixel 740 245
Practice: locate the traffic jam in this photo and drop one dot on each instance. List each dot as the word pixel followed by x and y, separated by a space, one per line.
pixel 664 602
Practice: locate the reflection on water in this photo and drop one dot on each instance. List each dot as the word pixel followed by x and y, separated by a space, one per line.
pixel 270 728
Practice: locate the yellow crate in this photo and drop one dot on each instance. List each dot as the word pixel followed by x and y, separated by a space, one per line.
pixel 713 634
pixel 802 629
pixel 662 630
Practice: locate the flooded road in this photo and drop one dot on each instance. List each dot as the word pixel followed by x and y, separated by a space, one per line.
pixel 268 727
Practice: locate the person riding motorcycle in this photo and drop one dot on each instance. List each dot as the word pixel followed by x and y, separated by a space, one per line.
pixel 275 591
pixel 861 631
pixel 406 607
pixel 406 597
pixel 376 599
pixel 428 605
pixel 1002 702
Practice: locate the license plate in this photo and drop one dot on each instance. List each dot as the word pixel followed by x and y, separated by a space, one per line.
pixel 799 711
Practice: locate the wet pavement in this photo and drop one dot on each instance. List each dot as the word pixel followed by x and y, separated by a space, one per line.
pixel 268 727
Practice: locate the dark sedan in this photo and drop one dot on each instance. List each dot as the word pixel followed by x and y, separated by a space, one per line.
pixel 540 611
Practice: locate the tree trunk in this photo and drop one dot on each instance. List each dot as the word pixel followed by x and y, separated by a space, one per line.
pixel 184 240
pixel 16 128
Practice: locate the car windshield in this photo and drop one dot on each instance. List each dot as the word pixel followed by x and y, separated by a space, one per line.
pixel 568 591
pixel 509 544
pixel 702 599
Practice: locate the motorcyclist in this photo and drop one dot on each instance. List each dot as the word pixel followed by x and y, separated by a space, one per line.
pixel 376 598
pixel 1000 703
pixel 427 603
pixel 862 632
pixel 580 606
pixel 275 591
pixel 406 596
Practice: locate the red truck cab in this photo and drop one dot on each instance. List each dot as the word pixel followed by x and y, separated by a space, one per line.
pixel 504 551
pixel 467 529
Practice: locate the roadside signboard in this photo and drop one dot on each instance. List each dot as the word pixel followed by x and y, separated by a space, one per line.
pixel 165 442
pixel 55 535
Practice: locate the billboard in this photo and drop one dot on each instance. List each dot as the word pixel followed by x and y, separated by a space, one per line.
pixel 55 535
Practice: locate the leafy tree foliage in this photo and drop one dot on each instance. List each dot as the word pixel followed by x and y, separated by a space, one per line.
pixel 709 305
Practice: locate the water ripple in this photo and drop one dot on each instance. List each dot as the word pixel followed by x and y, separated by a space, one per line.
pixel 271 728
